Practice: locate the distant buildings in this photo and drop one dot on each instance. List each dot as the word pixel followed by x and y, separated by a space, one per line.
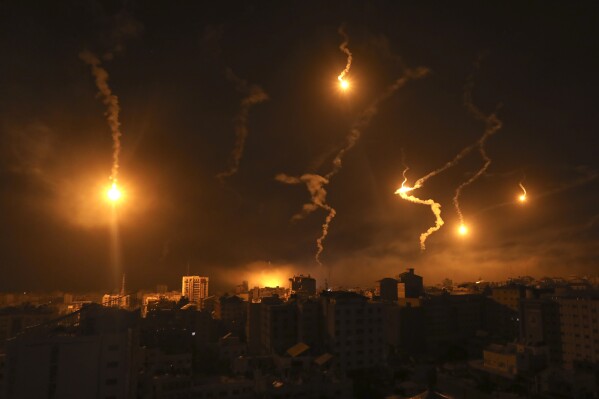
pixel 257 293
pixel 303 285
pixel 277 342
pixel 195 289
pixel 152 299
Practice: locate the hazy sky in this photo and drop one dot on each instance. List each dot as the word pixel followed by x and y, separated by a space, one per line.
pixel 181 73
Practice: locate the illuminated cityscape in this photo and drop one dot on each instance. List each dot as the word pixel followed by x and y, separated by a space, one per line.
pixel 370 199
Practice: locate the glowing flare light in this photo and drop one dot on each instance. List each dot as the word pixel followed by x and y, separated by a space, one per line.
pixel 435 207
pixel 463 230
pixel 114 194
pixel 344 84
pixel 522 197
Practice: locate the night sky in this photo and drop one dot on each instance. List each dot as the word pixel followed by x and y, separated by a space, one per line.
pixel 180 71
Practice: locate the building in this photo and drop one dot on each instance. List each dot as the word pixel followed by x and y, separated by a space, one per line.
pixel 310 324
pixel 579 330
pixel 387 289
pixel 195 289
pixel 232 311
pixel 95 356
pixel 116 301
pixel 303 285
pixel 540 325
pixel 257 293
pixel 279 326
pixel 354 330
pixel 152 299
pixel 14 320
pixel 410 285
pixel 513 359
pixel 503 311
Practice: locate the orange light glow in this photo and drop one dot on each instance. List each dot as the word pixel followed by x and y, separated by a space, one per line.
pixel 463 230
pixel 114 194
pixel 344 84
pixel 522 197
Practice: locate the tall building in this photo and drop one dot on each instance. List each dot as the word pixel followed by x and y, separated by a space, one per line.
pixel 410 285
pixel 503 310
pixel 92 356
pixel 354 329
pixel 579 329
pixel 303 285
pixel 279 326
pixel 387 289
pixel 195 289
pixel 540 325
pixel 232 311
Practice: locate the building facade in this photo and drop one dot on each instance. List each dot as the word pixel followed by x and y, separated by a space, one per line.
pixel 195 289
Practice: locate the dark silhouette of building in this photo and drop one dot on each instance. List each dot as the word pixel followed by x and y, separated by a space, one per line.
pixel 92 354
pixel 410 285
pixel 303 285
pixel 387 289
pixel 353 329
pixel 503 311
pixel 232 311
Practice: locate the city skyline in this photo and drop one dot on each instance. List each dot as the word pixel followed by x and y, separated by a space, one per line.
pixel 190 80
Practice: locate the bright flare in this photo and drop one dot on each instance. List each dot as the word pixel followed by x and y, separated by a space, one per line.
pixel 435 206
pixel 344 84
pixel 463 230
pixel 522 197
pixel 114 194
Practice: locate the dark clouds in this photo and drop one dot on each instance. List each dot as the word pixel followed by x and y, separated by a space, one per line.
pixel 177 115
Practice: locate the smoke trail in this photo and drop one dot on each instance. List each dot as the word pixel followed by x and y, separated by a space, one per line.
pixel 315 183
pixel 435 206
pixel 254 95
pixel 493 124
pixel 112 111
pixel 522 196
pixel 343 47
pixel 369 112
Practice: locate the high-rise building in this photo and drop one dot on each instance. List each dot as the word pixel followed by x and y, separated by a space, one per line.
pixel 354 329
pixel 279 326
pixel 579 329
pixel 503 310
pixel 410 285
pixel 387 289
pixel 195 289
pixel 303 285
pixel 232 311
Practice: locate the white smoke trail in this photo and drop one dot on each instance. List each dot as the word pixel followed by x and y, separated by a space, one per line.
pixel 343 47
pixel 254 95
pixel 112 107
pixel 492 126
pixel 315 183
